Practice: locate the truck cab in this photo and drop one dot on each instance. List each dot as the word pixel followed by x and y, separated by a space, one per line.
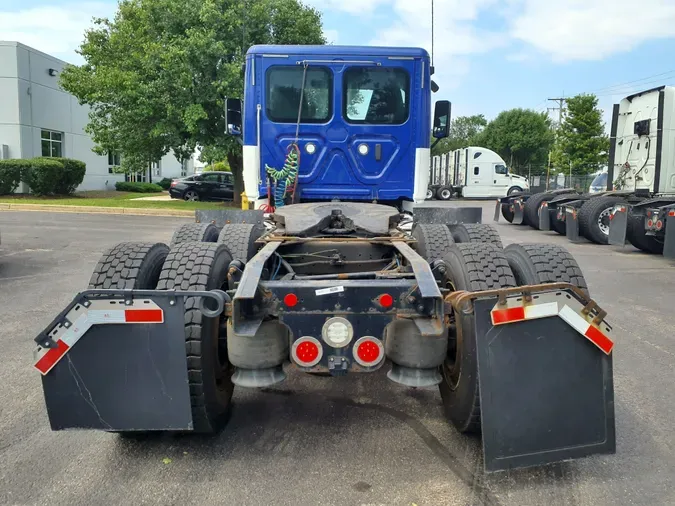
pixel 360 117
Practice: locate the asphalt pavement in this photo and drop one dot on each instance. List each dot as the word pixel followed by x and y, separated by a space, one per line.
pixel 357 440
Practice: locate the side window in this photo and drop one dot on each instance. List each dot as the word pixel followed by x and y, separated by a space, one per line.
pixel 211 178
pixel 376 96
pixel 476 170
pixel 501 169
pixel 477 154
pixel 283 90
pixel 227 178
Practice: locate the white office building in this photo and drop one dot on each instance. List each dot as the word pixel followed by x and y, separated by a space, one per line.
pixel 38 118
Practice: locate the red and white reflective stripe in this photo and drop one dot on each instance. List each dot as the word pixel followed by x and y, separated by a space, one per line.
pixel 547 309
pixel 98 316
pixel 593 334
pixel 49 357
pixel 521 313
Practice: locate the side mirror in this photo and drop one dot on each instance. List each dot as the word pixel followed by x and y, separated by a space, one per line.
pixel 233 116
pixel 441 119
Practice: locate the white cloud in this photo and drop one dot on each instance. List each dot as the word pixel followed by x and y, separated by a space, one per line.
pixel 332 36
pixel 54 30
pixel 348 6
pixel 456 35
pixel 591 29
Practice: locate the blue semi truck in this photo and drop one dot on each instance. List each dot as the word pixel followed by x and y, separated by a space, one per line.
pixel 315 277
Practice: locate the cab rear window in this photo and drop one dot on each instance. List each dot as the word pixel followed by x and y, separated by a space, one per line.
pixel 376 96
pixel 284 87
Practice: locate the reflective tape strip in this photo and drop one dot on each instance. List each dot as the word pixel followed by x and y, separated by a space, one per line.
pixel 594 335
pixel 49 357
pixel 530 312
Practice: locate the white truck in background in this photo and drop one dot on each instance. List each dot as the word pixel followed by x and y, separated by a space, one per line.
pixel 472 172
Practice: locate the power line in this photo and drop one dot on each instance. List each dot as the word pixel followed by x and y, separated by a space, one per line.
pixel 621 85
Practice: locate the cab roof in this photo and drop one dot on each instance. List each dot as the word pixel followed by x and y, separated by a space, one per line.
pixel 330 50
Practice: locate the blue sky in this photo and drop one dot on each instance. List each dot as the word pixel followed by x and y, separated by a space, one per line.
pixel 490 55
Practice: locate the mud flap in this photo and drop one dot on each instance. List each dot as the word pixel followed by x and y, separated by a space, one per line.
pixel 117 376
pixel 498 210
pixel 617 226
pixel 544 217
pixel 546 392
pixel 669 240
pixel 572 224
pixel 434 214
pixel 518 212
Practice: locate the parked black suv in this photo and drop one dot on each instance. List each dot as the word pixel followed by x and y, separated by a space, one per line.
pixel 205 186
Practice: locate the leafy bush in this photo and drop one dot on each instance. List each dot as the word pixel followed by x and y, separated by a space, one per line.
pixel 165 183
pixel 218 167
pixel 11 172
pixel 54 176
pixel 123 186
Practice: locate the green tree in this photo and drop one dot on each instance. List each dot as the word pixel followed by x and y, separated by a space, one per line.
pixel 463 132
pixel 520 137
pixel 155 75
pixel 581 140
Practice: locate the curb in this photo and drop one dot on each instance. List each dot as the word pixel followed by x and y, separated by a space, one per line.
pixel 96 210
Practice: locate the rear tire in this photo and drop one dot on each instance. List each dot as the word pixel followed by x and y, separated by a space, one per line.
pixel 444 193
pixel 130 266
pixel 594 218
pixel 532 208
pixel 430 194
pixel 534 264
pixel 240 239
pixel 637 236
pixel 475 232
pixel 202 266
pixel 472 267
pixel 433 241
pixel 195 232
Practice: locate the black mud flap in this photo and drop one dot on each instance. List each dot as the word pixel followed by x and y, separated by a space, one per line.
pixel 498 210
pixel 544 217
pixel 437 215
pixel 117 376
pixel 518 212
pixel 669 240
pixel 546 391
pixel 617 225
pixel 572 224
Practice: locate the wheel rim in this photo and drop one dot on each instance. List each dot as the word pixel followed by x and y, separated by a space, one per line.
pixel 430 194
pixel 451 370
pixel 603 220
pixel 191 196
pixel 445 194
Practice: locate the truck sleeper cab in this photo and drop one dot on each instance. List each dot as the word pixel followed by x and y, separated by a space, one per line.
pixel 364 130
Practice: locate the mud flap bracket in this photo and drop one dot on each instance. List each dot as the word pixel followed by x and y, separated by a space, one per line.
pixel 546 393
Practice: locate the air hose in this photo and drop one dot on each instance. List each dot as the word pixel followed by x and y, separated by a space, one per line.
pixel 285 180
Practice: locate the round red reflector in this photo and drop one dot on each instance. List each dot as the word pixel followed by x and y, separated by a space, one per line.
pixel 650 223
pixel 307 352
pixel 649 213
pixel 386 300
pixel 368 352
pixel 659 225
pixel 291 300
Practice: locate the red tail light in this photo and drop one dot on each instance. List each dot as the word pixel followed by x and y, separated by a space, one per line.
pixel 291 300
pixel 386 300
pixel 659 225
pixel 173 183
pixel 307 351
pixel 650 223
pixel 368 351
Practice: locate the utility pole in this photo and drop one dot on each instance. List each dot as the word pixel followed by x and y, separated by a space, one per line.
pixel 561 105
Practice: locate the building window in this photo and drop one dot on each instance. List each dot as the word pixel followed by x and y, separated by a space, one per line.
pixel 52 143
pixel 156 168
pixel 114 163
pixel 137 177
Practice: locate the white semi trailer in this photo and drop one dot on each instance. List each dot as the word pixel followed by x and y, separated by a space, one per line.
pixel 472 172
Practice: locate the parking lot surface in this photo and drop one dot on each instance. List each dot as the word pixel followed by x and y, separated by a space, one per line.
pixel 356 440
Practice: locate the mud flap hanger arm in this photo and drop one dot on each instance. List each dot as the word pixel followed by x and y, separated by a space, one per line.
pixel 218 299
